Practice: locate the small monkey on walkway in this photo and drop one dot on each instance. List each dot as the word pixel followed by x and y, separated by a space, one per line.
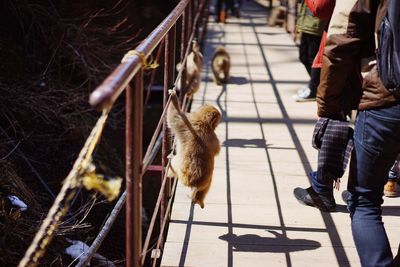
pixel 193 163
pixel 194 63
pixel 220 64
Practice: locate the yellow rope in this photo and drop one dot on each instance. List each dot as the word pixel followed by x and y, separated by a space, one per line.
pixel 64 199
pixel 147 65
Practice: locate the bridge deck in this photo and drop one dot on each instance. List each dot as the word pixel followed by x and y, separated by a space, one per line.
pixel 251 217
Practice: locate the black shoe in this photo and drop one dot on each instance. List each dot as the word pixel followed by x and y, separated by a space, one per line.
pixel 310 198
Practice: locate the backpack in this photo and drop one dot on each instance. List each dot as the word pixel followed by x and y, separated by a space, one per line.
pixel 388 52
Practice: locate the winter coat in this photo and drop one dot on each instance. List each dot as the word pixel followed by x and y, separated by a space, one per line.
pixel 350 51
pixel 308 23
pixel 322 9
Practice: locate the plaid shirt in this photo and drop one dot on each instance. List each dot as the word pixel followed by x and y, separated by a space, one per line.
pixel 334 140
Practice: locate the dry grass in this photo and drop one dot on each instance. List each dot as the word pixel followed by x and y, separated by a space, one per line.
pixel 53 54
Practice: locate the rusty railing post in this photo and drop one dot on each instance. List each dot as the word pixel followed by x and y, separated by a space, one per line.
pixel 133 170
pixel 183 40
pixel 190 17
pixel 169 77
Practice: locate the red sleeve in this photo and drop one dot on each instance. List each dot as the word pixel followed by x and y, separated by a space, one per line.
pixel 322 9
pixel 317 63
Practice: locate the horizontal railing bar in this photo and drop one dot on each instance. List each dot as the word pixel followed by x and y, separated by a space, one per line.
pixel 155 134
pixel 106 94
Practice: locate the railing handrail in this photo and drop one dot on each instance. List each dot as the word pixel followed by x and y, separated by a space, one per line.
pixel 108 91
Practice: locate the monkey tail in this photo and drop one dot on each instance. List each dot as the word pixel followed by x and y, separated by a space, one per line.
pixel 199 194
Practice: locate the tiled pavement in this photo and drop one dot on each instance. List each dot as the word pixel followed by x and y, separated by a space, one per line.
pixel 251 217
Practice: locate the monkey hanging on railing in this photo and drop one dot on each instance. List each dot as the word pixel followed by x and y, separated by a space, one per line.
pixel 196 146
pixel 194 63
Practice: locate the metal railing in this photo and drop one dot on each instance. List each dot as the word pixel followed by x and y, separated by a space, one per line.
pixel 188 16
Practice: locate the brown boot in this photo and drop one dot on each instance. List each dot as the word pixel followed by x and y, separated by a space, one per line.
pixel 390 189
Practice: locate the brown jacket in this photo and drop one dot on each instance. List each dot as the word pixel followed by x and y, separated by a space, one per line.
pixel 349 52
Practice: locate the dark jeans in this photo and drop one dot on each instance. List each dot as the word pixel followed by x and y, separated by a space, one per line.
pixel 321 186
pixel 309 46
pixel 376 145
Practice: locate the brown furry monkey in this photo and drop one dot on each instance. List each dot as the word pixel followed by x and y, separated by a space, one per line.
pixel 193 163
pixel 220 64
pixel 194 63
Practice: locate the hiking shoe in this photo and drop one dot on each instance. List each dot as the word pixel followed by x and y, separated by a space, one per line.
pixel 304 95
pixel 311 198
pixel 390 189
pixel 346 195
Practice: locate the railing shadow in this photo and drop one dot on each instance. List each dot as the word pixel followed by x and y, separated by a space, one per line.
pixel 185 245
pixel 391 211
pixel 238 80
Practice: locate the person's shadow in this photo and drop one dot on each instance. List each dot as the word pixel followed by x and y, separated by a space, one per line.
pixel 277 244
pixel 237 80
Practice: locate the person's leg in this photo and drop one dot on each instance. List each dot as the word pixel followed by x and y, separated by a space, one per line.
pixel 236 7
pixel 230 6
pixel 309 46
pixel 319 194
pixel 314 81
pixel 309 93
pixel 218 10
pixel 322 186
pixel 308 196
pixel 303 51
pixel 308 49
pixel 390 189
pixel 313 47
pixel 376 145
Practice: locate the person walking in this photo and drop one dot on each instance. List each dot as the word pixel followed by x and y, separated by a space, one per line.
pixel 311 28
pixel 332 137
pixel 222 8
pixel 350 49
